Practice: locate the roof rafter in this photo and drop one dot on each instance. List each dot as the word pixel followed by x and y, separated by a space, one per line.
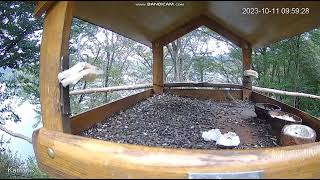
pixel 201 20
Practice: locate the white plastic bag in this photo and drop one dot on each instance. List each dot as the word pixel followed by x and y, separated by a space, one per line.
pixel 229 139
pixel 211 135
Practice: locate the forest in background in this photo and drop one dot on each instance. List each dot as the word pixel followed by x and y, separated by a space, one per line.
pixel 199 56
pixel 202 55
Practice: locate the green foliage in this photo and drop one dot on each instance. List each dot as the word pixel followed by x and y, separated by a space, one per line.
pixel 18 42
pixel 27 82
pixel 292 65
pixel 33 170
pixel 11 167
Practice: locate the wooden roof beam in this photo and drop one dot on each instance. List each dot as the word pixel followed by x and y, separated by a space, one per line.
pixel 218 28
pixel 197 22
pixel 180 31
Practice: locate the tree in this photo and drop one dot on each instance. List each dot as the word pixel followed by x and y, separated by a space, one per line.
pixel 19 52
pixel 109 51
pixel 7 113
pixel 292 65
pixel 19 43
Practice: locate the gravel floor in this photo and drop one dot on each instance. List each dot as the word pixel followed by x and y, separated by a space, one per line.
pixel 173 121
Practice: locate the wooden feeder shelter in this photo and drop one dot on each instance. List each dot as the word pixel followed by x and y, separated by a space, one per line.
pixel 62 153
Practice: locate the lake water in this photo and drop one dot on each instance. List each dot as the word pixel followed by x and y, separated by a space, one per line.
pixel 28 117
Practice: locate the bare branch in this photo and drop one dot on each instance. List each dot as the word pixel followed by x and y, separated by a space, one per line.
pixel 17 135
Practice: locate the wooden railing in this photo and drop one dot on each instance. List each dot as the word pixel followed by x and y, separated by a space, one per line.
pixel 204 84
pixel 110 89
pixel 144 86
pixel 187 84
pixel 286 93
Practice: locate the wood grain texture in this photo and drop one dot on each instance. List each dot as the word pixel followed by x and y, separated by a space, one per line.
pixel 219 95
pixel 246 63
pixel 191 25
pixel 42 7
pixel 54 47
pixel 146 24
pixel 222 30
pixel 110 89
pixel 203 84
pixel 307 119
pixel 286 93
pixel 196 22
pixel 246 56
pixel 157 67
pixel 87 119
pixel 80 157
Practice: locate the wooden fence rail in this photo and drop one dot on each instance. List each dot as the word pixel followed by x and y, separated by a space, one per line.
pixel 297 94
pixel 204 84
pixel 110 89
pixel 182 84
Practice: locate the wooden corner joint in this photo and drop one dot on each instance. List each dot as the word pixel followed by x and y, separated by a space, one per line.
pixel 158 88
pixel 245 44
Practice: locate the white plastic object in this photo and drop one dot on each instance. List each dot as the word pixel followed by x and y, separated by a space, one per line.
pixel 81 70
pixel 211 135
pixel 284 117
pixel 251 73
pixel 229 139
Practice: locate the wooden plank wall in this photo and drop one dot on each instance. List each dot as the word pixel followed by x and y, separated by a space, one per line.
pixel 204 84
pixel 89 118
pixel 219 95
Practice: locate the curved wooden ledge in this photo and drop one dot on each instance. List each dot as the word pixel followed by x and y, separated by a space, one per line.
pixel 80 157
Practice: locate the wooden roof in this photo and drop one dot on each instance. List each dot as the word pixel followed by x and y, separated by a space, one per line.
pixel 146 24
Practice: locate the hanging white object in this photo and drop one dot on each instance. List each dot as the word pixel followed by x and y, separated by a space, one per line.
pixel 81 70
pixel 229 139
pixel 251 73
pixel 212 135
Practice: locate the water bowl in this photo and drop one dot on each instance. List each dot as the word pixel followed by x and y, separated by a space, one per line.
pixel 262 109
pixel 278 119
pixel 295 134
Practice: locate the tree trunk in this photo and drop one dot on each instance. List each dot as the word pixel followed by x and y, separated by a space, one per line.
pixel 297 64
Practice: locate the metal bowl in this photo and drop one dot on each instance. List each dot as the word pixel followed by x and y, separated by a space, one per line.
pixel 262 109
pixel 295 134
pixel 278 119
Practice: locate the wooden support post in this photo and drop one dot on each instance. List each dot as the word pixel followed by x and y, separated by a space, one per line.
pixel 157 67
pixel 246 61
pixel 53 57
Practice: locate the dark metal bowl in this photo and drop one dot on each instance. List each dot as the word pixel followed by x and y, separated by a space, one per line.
pixel 278 119
pixel 262 109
